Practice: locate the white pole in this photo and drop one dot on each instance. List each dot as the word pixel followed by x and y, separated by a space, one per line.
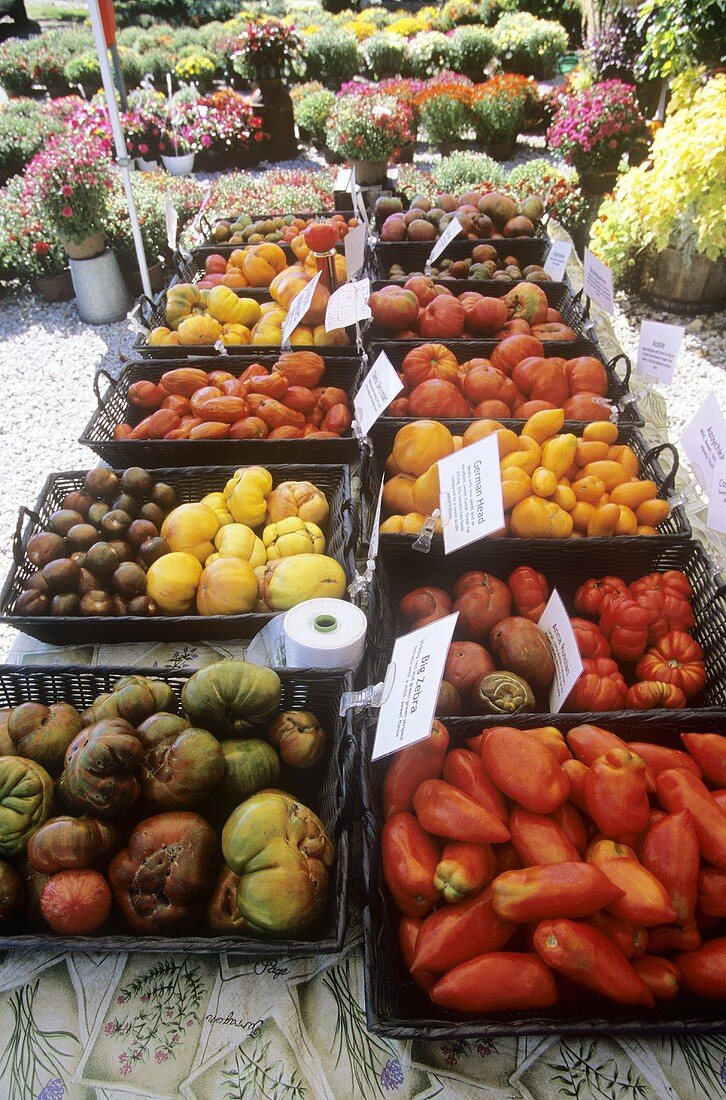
pixel 122 157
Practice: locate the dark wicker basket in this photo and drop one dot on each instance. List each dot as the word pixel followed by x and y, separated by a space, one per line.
pixel 191 485
pixel 206 226
pixel 413 255
pixel 618 387
pixel 398 1008
pixel 399 571
pixel 675 531
pixel 114 408
pixel 558 297
pixel 327 795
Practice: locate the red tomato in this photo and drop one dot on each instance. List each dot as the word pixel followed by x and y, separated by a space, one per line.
pixel 76 902
pixel 321 237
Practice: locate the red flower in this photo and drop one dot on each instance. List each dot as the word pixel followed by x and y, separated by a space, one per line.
pixel 66 211
pixel 41 248
pixel 66 190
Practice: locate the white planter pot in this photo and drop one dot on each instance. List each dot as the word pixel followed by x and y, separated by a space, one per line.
pixel 147 165
pixel 101 294
pixel 179 166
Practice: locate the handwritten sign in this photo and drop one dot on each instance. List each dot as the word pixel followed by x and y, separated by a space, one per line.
pixel 658 350
pixel 412 686
pixel 378 390
pixel 556 263
pixel 470 487
pixel 354 244
pixel 599 282
pixel 298 308
pixel 453 229
pixel 704 441
pixel 348 305
pixel 555 624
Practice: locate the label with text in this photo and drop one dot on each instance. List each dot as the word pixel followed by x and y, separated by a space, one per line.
pixel 555 624
pixel 658 350
pixel 354 244
pixel 470 487
pixel 598 282
pixel 556 263
pixel 359 206
pixel 298 308
pixel 379 388
pixel 704 442
pixel 453 229
pixel 412 686
pixel 348 305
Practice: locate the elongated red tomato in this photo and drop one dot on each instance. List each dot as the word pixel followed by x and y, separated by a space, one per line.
pixel 552 739
pixel 456 933
pixel 709 752
pixel 411 766
pixel 503 981
pixel 539 839
pixel 645 900
pixel 712 892
pixel 669 937
pixel 627 937
pixel 616 794
pixel 570 820
pixel 704 971
pixel 465 769
pixel 408 930
pixel 659 758
pixel 553 890
pixel 524 769
pixel 446 811
pixel 670 852
pixel 662 977
pixel 464 869
pixel 588 958
pixel 679 789
pixel 409 858
pixel 576 773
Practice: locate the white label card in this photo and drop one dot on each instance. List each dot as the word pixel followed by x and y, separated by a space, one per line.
pixel 555 624
pixel 704 441
pixel 412 686
pixel 172 223
pixel 379 388
pixel 470 487
pixel 298 308
pixel 354 244
pixel 359 206
pixel 453 229
pixel 348 305
pixel 556 263
pixel 375 530
pixel 599 282
pixel 658 350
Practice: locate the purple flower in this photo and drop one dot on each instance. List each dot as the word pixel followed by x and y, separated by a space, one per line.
pixel 144 998
pixel 392 1075
pixel 109 1028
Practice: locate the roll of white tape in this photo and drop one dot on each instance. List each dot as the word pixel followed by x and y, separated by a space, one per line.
pixel 324 634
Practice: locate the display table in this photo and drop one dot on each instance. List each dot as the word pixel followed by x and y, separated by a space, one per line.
pixel 218 1027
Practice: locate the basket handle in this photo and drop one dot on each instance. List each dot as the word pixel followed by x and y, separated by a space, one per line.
pixel 655 453
pixel 622 382
pixel 349 513
pixel 345 762
pixel 204 224
pixel 102 372
pixel 146 309
pixel 577 300
pixel 23 513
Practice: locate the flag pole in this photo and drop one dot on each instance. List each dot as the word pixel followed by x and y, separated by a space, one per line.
pixel 122 157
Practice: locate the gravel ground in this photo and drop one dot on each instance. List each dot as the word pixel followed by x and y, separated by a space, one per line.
pixel 48 358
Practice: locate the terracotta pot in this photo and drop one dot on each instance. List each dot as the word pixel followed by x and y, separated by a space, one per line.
pixel 92 245
pixel 369 171
pixel 54 288
pixel 684 282
pixel 502 150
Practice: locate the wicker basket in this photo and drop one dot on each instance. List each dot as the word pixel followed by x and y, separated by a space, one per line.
pixel 603 553
pixel 207 227
pixel 412 255
pixel 469 349
pixel 398 1008
pixel 315 690
pixel 191 485
pixel 114 408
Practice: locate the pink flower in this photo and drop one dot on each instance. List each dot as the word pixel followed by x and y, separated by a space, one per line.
pixel 66 190
pixel 161 1056
pixel 67 212
pixel 108 1029
pixel 121 1000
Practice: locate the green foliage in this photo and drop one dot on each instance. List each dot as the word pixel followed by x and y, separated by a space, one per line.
pixel 527 45
pixel 384 55
pixel 473 50
pixel 312 112
pixel 462 171
pixel 444 118
pixel 331 56
pixel 430 52
pixel 24 127
pixel 681 33
pixel 84 68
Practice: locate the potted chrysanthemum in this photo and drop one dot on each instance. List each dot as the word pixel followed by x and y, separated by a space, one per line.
pixel 367 129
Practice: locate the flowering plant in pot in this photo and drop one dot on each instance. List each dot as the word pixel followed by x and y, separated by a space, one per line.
pixel 71 179
pixel 499 108
pixel 594 127
pixel 266 49
pixel 29 249
pixel 367 129
pixel 143 123
pixel 226 122
pixel 444 112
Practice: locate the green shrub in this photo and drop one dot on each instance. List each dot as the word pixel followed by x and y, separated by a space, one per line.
pixel 158 62
pixel 331 56
pixel 430 52
pixel 29 247
pixel 459 13
pixel 384 55
pixel 566 12
pixel 462 171
pixel 25 126
pixel 527 45
pixel 473 50
pixel 84 69
pixel 445 118
pixel 312 112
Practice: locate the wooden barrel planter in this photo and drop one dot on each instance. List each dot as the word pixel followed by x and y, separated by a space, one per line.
pixel 684 282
